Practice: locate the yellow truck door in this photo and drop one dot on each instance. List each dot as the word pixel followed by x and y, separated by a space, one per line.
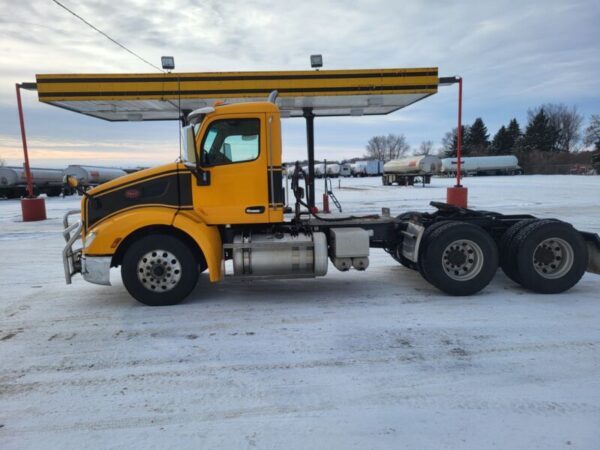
pixel 233 150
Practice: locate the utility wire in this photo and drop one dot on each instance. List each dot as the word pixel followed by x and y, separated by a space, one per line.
pixel 106 35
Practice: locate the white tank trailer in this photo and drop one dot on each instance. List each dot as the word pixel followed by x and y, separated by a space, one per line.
pixel 319 170
pixel 89 176
pixel 13 181
pixel 483 165
pixel 333 170
pixel 407 171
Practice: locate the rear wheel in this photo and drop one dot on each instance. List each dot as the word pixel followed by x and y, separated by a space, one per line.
pixel 159 270
pixel 425 239
pixel 508 260
pixel 551 256
pixel 459 258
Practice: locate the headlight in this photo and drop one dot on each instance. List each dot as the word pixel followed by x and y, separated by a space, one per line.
pixel 88 239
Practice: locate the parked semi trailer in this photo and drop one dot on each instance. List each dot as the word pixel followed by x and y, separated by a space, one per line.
pixel 367 168
pixel 13 181
pixel 483 165
pixel 333 170
pixel 165 225
pixel 407 171
pixel 345 170
pixel 91 176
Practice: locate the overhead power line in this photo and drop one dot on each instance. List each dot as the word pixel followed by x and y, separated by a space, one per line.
pixel 107 36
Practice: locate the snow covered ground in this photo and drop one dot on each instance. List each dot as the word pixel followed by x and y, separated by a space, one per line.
pixel 378 359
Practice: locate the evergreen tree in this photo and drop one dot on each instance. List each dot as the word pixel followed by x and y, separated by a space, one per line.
pixel 515 133
pixel 478 140
pixel 503 142
pixel 540 134
pixel 450 142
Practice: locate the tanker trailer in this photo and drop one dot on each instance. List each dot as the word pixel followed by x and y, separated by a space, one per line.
pixel 333 170
pixel 406 171
pixel 483 165
pixel 13 181
pixel 90 176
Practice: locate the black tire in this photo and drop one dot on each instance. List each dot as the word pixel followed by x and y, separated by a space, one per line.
pixel 551 256
pixel 169 260
pixel 425 239
pixel 508 260
pixel 474 252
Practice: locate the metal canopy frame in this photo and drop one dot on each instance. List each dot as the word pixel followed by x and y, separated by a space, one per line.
pixel 308 94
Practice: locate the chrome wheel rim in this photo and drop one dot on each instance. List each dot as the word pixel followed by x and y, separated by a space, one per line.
pixel 553 258
pixel 462 260
pixel 159 270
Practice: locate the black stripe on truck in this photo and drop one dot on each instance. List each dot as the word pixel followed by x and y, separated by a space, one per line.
pixel 173 190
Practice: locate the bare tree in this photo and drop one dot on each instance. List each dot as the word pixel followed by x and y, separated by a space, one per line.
pixel 388 147
pixel 376 147
pixel 426 148
pixel 592 132
pixel 564 119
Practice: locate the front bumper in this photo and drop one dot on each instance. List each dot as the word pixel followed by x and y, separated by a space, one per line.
pixel 95 269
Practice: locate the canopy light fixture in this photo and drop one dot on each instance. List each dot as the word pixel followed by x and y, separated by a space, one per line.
pixel 316 61
pixel 168 62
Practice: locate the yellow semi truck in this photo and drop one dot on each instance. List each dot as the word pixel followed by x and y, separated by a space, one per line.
pixel 224 201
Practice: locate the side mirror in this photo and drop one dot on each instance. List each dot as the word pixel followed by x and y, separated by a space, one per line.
pixel 71 181
pixel 189 147
pixel 189 157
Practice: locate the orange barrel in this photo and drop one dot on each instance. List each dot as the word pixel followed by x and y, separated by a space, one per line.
pixel 33 209
pixel 457 196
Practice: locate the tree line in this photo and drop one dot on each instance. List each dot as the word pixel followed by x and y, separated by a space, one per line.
pixel 551 129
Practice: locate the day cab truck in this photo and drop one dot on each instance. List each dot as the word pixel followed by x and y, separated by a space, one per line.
pixel 220 209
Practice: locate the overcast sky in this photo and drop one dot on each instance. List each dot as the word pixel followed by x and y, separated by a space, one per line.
pixel 513 55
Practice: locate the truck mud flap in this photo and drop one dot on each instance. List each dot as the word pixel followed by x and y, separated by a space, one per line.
pixel 593 245
pixel 411 241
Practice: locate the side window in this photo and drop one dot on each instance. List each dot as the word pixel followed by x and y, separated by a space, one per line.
pixel 231 141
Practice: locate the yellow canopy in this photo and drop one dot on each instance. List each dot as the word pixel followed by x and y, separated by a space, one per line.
pixel 133 97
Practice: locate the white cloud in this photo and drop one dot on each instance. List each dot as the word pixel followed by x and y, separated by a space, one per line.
pixel 512 55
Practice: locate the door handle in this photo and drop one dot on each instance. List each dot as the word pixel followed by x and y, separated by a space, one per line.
pixel 255 209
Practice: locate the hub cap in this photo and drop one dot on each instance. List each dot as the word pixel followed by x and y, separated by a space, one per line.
pixel 462 260
pixel 159 270
pixel 553 258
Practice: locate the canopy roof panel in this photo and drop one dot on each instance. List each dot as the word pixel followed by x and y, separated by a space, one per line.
pixel 131 97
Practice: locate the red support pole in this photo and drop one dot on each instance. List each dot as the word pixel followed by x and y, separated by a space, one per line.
pixel 24 140
pixel 32 208
pixel 457 195
pixel 459 135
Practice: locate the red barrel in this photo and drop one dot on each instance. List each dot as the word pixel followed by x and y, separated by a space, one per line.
pixel 33 209
pixel 457 196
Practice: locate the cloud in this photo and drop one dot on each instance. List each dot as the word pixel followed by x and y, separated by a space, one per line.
pixel 59 153
pixel 512 55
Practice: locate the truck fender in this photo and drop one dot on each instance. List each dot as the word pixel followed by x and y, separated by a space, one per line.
pixel 206 237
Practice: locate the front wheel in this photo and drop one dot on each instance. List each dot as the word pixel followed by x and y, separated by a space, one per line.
pixel 459 258
pixel 159 270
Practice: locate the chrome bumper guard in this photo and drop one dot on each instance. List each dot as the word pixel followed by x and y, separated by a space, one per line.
pixel 71 258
